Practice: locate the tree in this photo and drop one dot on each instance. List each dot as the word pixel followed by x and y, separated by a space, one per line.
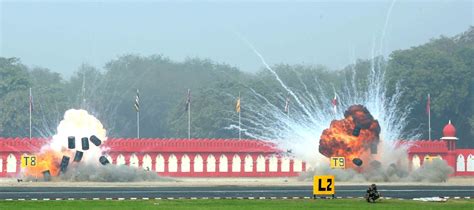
pixel 442 68
pixel 14 86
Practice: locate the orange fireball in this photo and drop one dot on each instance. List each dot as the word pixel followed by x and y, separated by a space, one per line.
pixel 352 137
pixel 47 160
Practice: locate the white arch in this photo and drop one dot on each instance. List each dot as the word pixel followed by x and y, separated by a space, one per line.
pixel 120 160
pixel 260 163
pixel 285 164
pixel 185 163
pixel 415 162
pixel 172 163
pixel 160 163
pixel 248 165
pixel 134 160
pixel 236 163
pixel 273 164
pixel 223 163
pixel 146 162
pixel 211 163
pixel 460 163
pixel 198 163
pixel 470 163
pixel 11 163
pixel 297 165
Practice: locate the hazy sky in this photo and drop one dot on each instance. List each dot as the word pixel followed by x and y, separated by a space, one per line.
pixel 61 36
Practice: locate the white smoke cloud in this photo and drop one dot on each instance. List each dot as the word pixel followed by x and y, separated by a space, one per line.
pixel 79 123
pixel 108 173
pixel 432 171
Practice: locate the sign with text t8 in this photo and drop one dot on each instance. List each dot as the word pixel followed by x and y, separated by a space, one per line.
pixel 338 162
pixel 28 161
pixel 323 185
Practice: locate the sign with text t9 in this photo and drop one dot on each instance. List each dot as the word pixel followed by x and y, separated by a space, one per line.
pixel 338 162
pixel 323 185
pixel 28 161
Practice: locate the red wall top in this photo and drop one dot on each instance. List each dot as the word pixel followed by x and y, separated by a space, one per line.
pixel 21 144
pixel 153 145
pixel 190 145
pixel 198 145
pixel 426 146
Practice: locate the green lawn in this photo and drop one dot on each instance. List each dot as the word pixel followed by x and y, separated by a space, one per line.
pixel 236 204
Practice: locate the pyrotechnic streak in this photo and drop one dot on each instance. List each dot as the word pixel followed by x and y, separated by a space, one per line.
pixel 278 79
pixel 313 111
pixel 387 19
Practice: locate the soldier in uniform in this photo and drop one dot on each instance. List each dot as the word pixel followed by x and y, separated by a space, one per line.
pixel 372 194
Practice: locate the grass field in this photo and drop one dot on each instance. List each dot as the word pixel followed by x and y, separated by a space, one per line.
pixel 235 204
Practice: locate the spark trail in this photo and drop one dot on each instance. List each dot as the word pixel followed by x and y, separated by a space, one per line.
pixel 264 118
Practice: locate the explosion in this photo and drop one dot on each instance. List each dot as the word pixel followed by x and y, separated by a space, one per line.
pixel 352 136
pixel 76 125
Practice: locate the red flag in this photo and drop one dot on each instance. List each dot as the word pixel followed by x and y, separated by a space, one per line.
pixel 334 101
pixel 428 105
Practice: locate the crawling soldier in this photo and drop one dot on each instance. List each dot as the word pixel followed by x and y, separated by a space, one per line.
pixel 372 194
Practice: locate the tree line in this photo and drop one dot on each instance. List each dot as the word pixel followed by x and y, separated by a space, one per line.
pixel 443 67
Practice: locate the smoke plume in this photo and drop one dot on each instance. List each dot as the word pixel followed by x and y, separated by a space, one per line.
pixel 108 173
pixel 431 171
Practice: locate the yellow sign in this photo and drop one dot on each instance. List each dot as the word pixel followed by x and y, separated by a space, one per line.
pixel 338 162
pixel 431 158
pixel 28 161
pixel 323 185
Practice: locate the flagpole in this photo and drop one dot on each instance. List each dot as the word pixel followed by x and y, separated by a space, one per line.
pixel 138 115
pixel 189 114
pixel 240 128
pixel 429 117
pixel 83 105
pixel 30 110
pixel 138 124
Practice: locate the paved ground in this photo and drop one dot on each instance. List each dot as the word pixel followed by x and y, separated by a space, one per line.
pixel 407 192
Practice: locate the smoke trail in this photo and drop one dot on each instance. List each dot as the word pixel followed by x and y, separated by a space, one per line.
pixel 387 19
pixel 278 79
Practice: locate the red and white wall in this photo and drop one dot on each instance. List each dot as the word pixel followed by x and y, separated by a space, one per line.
pixel 227 157
pixel 176 157
pixel 461 160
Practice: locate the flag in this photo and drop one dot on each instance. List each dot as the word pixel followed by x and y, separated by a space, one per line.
pixel 237 106
pixel 188 100
pixel 428 105
pixel 334 103
pixel 137 102
pixel 287 104
pixel 31 102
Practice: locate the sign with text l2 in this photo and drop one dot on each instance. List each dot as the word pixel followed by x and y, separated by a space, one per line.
pixel 324 185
